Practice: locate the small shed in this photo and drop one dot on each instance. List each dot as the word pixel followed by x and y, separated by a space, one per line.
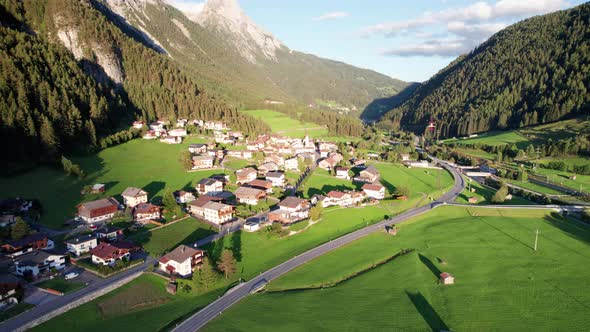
pixel 509 197
pixel 171 288
pixel 97 188
pixel 472 200
pixel 447 278
pixel 573 177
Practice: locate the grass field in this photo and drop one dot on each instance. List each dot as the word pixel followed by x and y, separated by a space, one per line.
pixel 322 182
pixel 281 124
pixel 150 165
pixel 160 240
pixel 495 138
pixel 501 283
pixel 421 182
pixel 563 178
pixel 535 187
pixel 236 163
pixel 61 285
pixel 484 196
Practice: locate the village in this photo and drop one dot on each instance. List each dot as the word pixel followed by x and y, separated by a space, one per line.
pixel 262 195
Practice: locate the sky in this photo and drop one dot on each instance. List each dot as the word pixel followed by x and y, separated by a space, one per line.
pixel 408 40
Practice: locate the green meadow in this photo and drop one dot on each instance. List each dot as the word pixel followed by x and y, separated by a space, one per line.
pixel 501 283
pixel 281 124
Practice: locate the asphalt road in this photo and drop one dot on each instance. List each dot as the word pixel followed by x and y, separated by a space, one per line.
pixel 48 307
pixel 199 319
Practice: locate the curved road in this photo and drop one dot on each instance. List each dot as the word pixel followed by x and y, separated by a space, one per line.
pixel 199 319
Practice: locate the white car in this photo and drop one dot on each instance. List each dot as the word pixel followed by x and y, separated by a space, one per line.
pixel 71 275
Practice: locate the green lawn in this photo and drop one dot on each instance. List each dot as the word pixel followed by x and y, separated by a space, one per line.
pixel 150 165
pixel 421 182
pixel 535 187
pixel 160 240
pixel 563 178
pixel 284 125
pixel 61 285
pixel 476 153
pixel 501 283
pixel 322 182
pixel 236 163
pixel 495 138
pixel 484 196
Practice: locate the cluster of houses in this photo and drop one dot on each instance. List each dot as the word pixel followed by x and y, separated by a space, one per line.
pixel 159 130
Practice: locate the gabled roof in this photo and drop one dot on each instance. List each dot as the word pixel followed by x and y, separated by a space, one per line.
pixel 292 202
pixel 371 169
pixel 215 206
pixel 133 192
pixel 208 181
pixel 245 171
pixel 249 192
pixel 277 175
pixel 373 187
pixel 27 240
pixel 204 199
pixel 181 254
pixel 258 183
pixel 81 239
pixel 146 208
pixel 336 194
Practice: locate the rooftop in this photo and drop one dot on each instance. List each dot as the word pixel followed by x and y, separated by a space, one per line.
pixel 133 192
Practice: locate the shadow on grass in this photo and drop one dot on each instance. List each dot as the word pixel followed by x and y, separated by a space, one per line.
pixel 428 263
pixel 389 186
pixel 236 245
pixel 427 311
pixel 568 227
pixel 155 187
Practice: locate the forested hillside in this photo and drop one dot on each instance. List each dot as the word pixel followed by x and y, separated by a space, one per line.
pixel 57 99
pixel 536 71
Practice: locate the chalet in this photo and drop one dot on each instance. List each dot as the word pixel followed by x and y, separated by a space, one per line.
pixel 209 186
pixel 356 196
pixel 178 132
pixel 336 156
pixel 369 175
pixel 309 157
pixel 278 139
pixel 150 134
pixel 342 173
pixel 292 164
pixel 146 211
pixel 99 210
pixel 374 190
pixel 285 150
pixel 218 213
pixel 277 178
pixel 216 153
pixel 447 278
pixel 181 261
pixel 405 156
pixel 327 146
pixel 214 125
pixel 242 154
pixel 157 127
pixel 163 122
pixel 38 262
pixel 245 175
pixel 324 153
pixel 81 244
pixel 183 197
pixel 29 243
pixel 11 290
pixel 133 196
pixel 291 209
pixel 267 167
pixel 250 196
pixel 337 198
pixel 109 253
pixel 197 148
pixel 261 184
pixel 201 162
pixel 328 163
pixel 255 146
pixel 181 123
pixel 196 207
pixel 109 233
pixel 171 139
pixel 273 158
pixel 138 124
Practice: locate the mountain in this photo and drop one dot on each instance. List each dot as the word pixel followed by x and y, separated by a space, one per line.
pixel 233 56
pixel 72 80
pixel 536 71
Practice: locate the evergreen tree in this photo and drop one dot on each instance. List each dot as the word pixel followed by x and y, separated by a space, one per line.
pixel 207 275
pixel 19 229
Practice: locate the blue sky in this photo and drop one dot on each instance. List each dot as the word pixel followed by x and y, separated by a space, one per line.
pixel 409 40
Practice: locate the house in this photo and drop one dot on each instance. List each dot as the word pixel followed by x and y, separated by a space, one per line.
pixel 417 164
pixel 405 156
pixel 292 164
pixel 138 124
pixel 214 125
pixel 261 184
pixel 181 261
pixel 309 157
pixel 196 207
pixel 277 178
pixel 181 123
pixel 29 243
pixel 327 146
pixel 356 196
pixel 218 213
pixel 358 162
pixel 447 278
pixel 374 190
pixel 337 198
pixel 81 244
pixel 369 174
pixel 216 153
pixel 171 139
pixel 157 127
pixel 242 154
pixel 133 196
pixel 291 209
pixel 109 253
pixel 245 175
pixel 342 173
pixel 99 210
pixel 252 226
pixel 472 200
pixel 150 134
pixel 97 188
pixel 238 135
pixel 183 197
pixel 328 163
pixel 249 196
pixel 146 211
pixel 273 158
pixel 197 148
pixel 255 146
pixel 209 186
pixel 11 290
pixel 201 162
pixel 178 132
pixel 35 263
pixel 267 167
pixel 109 233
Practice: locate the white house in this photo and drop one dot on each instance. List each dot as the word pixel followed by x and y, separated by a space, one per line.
pixel 201 162
pixel 108 254
pixel 292 164
pixel 218 213
pixel 133 196
pixel 181 261
pixel 245 175
pixel 291 209
pixel 374 190
pixel 277 178
pixel 179 132
pixel 38 262
pixel 138 124
pixel 183 197
pixel 81 244
pixel 342 173
pixel 209 186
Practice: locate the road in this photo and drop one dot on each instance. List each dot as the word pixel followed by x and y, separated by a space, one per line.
pixel 16 323
pixel 199 319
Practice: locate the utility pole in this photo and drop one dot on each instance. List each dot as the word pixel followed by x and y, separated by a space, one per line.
pixel 536 238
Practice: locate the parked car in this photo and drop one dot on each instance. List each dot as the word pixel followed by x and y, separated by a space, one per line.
pixel 71 275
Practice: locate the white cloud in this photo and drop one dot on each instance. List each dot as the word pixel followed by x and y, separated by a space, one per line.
pixel 331 16
pixel 191 8
pixel 436 47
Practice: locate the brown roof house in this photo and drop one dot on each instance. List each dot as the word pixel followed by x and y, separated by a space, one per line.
pixel 374 190
pixel 267 167
pixel 209 186
pixel 182 261
pixel 146 211
pixel 109 253
pixel 133 196
pixel 28 243
pixel 99 210
pixel 245 175
pixel 250 196
pixel 261 184
pixel 291 209
pixel 369 175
